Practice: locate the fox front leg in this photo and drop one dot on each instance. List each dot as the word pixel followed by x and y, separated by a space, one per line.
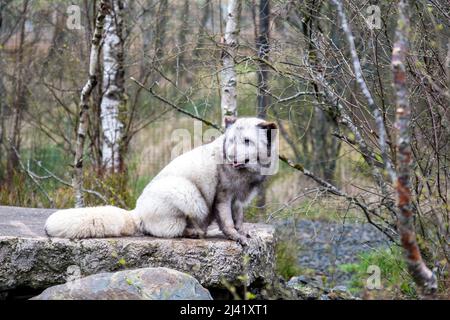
pixel 224 217
pixel 238 218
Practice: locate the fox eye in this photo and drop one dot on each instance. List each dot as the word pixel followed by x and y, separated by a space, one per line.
pixel 247 141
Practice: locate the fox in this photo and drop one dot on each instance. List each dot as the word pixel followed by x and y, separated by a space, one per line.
pixel 212 182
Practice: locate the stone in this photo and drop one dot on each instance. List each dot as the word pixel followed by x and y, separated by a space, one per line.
pixel 315 281
pixel 341 293
pixel 340 289
pixel 30 259
pixel 138 284
pixel 311 288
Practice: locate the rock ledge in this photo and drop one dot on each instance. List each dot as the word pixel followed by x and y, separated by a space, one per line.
pixel 29 259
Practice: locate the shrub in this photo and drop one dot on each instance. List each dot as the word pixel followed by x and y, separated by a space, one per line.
pixel 395 279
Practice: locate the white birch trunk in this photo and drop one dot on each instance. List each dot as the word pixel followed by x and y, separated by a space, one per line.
pixel 228 73
pixel 113 90
pixel 84 103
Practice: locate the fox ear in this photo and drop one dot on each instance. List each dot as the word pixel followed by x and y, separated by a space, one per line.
pixel 229 120
pixel 267 125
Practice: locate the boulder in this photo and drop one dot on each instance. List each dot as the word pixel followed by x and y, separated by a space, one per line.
pixel 139 284
pixel 30 259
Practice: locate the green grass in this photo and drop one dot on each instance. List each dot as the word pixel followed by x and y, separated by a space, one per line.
pixel 286 252
pixel 395 280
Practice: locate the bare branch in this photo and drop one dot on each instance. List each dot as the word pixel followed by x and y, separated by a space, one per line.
pixel 382 134
pixel 162 99
pixel 31 175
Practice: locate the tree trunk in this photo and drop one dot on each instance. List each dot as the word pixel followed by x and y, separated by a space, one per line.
pixel 3 94
pixel 160 33
pixel 262 45
pixel 146 28
pixel 113 103
pixel 419 271
pixel 263 98
pixel 181 59
pixel 375 110
pixel 58 37
pixel 2 122
pixel 84 102
pixel 202 29
pixel 19 102
pixel 228 72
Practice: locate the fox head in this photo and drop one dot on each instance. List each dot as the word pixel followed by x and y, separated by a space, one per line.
pixel 251 144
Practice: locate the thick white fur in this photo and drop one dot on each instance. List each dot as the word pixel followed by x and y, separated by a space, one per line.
pixel 94 222
pixel 185 188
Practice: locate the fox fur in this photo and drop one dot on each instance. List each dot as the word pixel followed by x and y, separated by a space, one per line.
pixel 211 182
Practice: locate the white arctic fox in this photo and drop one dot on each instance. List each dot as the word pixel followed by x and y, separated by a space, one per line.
pixel 213 181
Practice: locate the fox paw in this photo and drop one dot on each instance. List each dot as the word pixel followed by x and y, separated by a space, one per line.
pixel 244 233
pixel 194 233
pixel 243 240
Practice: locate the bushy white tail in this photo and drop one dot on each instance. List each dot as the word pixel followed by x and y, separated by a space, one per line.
pixel 92 222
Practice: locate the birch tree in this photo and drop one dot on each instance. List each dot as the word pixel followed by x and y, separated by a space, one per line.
pixel 375 110
pixel 419 271
pixel 84 102
pixel 263 98
pixel 113 90
pixel 262 45
pixel 228 72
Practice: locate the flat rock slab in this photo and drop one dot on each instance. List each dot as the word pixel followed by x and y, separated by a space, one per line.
pixel 139 284
pixel 30 259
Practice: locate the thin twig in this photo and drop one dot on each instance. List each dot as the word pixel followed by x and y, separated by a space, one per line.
pixel 169 103
pixel 31 175
pixel 60 180
pixel 382 133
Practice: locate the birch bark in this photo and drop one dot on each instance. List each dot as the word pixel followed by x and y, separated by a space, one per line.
pixel 417 268
pixel 77 181
pixel 375 110
pixel 113 90
pixel 228 73
pixel 262 45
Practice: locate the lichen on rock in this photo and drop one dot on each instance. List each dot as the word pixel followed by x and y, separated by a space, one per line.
pixel 30 259
pixel 138 284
